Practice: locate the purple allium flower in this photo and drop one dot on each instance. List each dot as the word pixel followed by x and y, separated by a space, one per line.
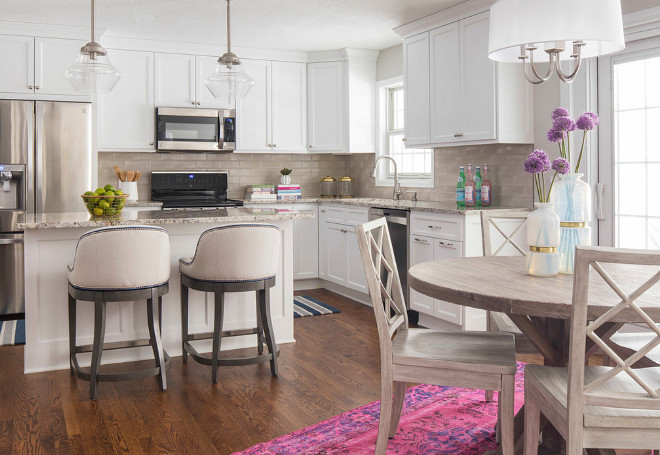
pixel 537 162
pixel 561 165
pixel 563 124
pixel 559 112
pixel 587 121
pixel 556 135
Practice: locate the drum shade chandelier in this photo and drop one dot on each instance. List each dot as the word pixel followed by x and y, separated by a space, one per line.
pixel 229 81
pixel 588 28
pixel 92 71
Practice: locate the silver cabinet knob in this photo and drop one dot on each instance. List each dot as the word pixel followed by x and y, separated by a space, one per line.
pixel 37 87
pixel 151 143
pixel 274 145
pixel 193 103
pixel 403 139
pixel 198 103
pixel 458 134
pixel 322 211
pixel 30 87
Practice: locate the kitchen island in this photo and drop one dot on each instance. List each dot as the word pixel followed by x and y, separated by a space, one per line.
pixel 50 242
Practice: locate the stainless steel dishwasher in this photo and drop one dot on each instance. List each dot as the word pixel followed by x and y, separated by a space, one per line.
pixel 398 223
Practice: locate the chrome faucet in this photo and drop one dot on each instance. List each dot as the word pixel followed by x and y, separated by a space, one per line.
pixel 396 193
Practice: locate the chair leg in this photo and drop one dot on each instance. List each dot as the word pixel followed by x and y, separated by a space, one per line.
pixel 99 336
pixel 153 305
pixel 397 406
pixel 72 332
pixel 498 425
pixel 217 332
pixel 184 322
pixel 489 395
pixel 505 402
pixel 532 424
pixel 386 387
pixel 264 307
pixel 260 325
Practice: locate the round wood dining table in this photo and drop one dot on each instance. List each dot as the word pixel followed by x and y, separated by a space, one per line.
pixel 539 306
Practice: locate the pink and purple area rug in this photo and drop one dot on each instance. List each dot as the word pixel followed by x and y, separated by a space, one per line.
pixel 435 420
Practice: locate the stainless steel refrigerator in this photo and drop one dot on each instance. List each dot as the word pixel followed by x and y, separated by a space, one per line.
pixel 45 165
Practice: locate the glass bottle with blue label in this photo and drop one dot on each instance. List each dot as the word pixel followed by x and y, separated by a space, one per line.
pixel 460 189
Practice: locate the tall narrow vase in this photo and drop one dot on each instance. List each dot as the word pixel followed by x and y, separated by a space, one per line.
pixel 572 199
pixel 543 240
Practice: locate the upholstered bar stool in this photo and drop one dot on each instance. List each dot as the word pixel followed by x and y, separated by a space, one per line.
pixel 234 258
pixel 114 264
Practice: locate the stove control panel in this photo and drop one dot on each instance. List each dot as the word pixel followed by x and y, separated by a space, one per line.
pixel 187 180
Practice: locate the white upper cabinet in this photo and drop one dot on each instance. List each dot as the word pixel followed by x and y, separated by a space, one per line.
pixel 52 57
pixel 326 107
pixel 470 98
pixel 272 116
pixel 416 83
pixel 37 65
pixel 175 80
pixel 126 114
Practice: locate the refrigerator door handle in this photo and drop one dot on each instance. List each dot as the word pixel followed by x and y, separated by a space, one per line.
pixel 39 159
pixel 29 180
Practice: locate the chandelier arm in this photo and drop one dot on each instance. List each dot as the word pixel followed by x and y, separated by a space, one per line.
pixel 535 71
pixel 577 56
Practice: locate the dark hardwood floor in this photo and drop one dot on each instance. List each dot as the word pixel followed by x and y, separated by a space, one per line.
pixel 333 367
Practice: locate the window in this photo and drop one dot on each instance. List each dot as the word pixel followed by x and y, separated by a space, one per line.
pixel 415 166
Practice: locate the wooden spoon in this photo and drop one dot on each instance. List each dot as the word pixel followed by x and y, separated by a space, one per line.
pixel 130 175
pixel 138 174
pixel 118 172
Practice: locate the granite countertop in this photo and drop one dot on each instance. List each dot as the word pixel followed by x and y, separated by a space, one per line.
pixel 423 206
pixel 159 217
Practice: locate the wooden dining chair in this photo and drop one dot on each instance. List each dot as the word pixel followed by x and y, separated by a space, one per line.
pixel 598 406
pixel 477 360
pixel 504 244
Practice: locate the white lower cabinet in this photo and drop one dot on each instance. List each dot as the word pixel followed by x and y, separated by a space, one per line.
pixel 339 255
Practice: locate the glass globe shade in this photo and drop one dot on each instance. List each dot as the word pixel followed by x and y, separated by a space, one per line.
pixel 96 75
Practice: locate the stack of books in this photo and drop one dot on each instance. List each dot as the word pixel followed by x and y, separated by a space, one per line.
pixel 260 193
pixel 288 192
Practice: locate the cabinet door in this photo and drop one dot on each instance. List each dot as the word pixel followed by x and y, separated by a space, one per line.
pixel 416 87
pixel 175 80
pixel 355 276
pixel 204 67
pixel 335 252
pixel 477 80
pixel 306 245
pixel 421 250
pixel 126 114
pixel 447 249
pixel 326 110
pixel 253 112
pixel 446 118
pixel 52 57
pixel 289 107
pixel 17 70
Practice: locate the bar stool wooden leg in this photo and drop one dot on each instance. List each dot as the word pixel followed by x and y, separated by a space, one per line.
pixel 264 307
pixel 99 336
pixel 72 332
pixel 260 325
pixel 153 305
pixel 217 332
pixel 184 322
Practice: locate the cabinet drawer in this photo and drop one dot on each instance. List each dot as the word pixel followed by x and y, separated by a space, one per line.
pixel 333 214
pixel 446 227
pixel 355 216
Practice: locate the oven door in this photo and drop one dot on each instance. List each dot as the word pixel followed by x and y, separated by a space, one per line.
pixel 182 129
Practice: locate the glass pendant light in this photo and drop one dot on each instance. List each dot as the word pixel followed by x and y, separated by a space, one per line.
pixel 229 81
pixel 92 71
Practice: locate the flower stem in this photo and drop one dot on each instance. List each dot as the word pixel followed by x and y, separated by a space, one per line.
pixel 544 193
pixel 551 183
pixel 568 152
pixel 584 137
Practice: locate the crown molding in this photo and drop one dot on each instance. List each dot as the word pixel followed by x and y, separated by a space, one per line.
pixel 48 30
pixel 642 24
pixel 444 17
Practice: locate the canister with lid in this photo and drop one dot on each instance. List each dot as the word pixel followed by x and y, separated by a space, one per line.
pixel 346 187
pixel 328 187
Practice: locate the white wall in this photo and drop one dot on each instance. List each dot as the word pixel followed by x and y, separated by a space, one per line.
pixel 390 63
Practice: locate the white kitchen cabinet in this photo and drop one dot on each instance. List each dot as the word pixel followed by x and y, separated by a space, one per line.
pixel 275 108
pixel 179 81
pixel 467 99
pixel 339 254
pixel 416 83
pixel 17 73
pixel 421 250
pixel 326 107
pixel 126 114
pixel 450 312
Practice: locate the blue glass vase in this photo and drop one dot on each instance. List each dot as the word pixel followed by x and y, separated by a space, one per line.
pixel 572 201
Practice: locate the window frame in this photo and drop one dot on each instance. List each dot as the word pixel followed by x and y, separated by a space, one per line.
pixel 383 176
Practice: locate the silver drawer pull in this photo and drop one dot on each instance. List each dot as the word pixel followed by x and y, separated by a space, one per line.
pixel 446 245
pixel 434 227
pixel 458 134
pixel 423 242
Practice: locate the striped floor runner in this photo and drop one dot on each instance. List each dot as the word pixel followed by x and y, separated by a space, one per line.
pixel 12 332
pixel 306 306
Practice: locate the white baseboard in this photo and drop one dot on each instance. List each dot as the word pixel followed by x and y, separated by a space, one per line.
pixel 316 283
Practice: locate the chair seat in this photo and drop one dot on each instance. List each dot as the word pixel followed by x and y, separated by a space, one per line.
pixel 555 381
pixel 503 323
pixel 635 342
pixel 491 352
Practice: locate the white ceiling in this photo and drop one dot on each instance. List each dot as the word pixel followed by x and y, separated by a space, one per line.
pixel 300 25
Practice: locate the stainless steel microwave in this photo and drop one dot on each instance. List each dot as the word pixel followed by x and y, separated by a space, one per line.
pixel 181 129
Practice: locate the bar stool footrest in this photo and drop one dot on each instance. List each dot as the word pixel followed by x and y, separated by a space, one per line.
pixel 115 345
pixel 234 361
pixel 120 376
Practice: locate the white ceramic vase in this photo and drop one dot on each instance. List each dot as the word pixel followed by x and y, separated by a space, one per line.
pixel 571 197
pixel 285 179
pixel 543 240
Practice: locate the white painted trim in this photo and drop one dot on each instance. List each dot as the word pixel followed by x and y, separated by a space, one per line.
pixel 48 30
pixel 642 24
pixel 444 17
